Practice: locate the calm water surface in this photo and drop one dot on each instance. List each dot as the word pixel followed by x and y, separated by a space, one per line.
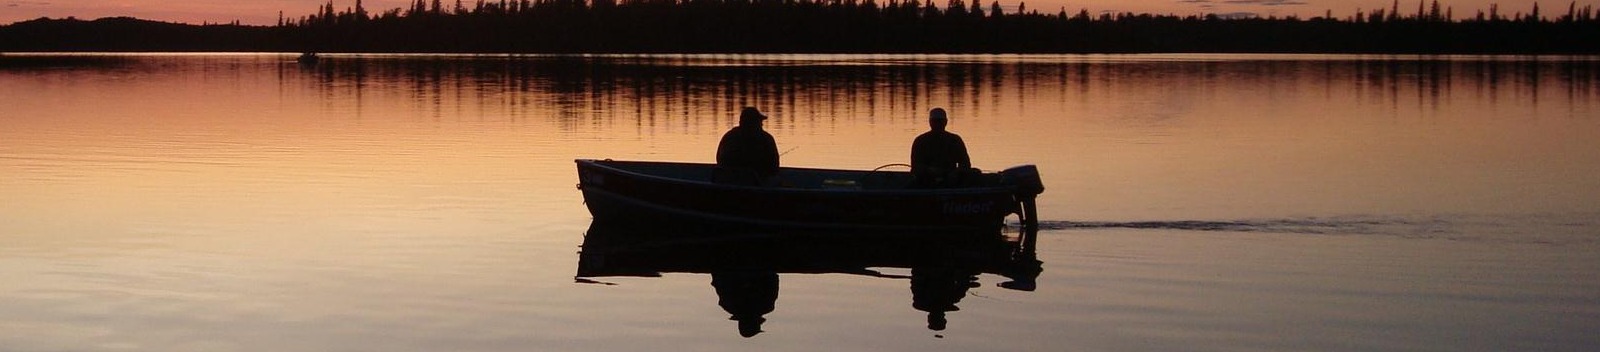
pixel 1194 202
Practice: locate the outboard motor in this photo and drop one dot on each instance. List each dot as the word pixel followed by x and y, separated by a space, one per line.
pixel 1026 179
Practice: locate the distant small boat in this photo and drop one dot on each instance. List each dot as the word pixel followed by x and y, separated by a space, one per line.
pixel 307 58
pixel 808 199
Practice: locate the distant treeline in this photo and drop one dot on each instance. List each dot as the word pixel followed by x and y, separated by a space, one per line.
pixel 827 26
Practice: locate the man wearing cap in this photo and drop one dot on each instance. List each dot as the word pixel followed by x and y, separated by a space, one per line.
pixel 747 155
pixel 938 157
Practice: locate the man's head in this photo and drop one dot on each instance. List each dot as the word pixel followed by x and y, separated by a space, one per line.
pixel 749 327
pixel 751 117
pixel 937 321
pixel 937 119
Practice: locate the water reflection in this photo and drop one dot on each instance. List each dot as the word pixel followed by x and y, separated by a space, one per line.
pixel 661 91
pixel 745 268
pixel 236 202
pixel 26 62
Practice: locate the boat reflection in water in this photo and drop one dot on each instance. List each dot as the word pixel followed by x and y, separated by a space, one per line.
pixel 745 267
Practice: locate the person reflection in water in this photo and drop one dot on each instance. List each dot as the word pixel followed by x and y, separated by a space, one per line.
pixel 747 155
pixel 747 296
pixel 939 158
pixel 936 289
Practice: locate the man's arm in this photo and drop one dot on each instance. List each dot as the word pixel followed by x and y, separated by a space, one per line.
pixel 724 149
pixel 771 153
pixel 962 160
pixel 916 153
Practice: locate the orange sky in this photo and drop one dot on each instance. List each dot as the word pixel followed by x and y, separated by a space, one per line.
pixel 266 11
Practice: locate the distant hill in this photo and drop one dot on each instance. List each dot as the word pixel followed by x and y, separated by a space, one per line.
pixel 811 26
pixel 132 34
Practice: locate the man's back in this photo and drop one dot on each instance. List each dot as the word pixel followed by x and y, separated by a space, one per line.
pixel 749 150
pixel 939 150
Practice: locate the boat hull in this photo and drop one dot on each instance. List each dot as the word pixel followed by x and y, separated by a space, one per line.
pixel 681 193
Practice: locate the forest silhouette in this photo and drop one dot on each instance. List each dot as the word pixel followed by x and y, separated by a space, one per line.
pixel 826 26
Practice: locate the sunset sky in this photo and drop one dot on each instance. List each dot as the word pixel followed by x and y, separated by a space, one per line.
pixel 265 12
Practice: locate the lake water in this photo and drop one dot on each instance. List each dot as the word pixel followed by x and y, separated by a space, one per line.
pixel 245 202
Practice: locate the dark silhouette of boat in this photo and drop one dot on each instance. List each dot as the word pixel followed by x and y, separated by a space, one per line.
pixel 745 266
pixel 307 58
pixel 646 249
pixel 807 198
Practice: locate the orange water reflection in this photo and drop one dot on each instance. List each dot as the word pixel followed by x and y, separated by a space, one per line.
pixel 232 200
pixel 1120 137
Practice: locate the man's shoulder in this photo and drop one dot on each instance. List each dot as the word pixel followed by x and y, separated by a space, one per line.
pixel 741 130
pixel 747 133
pixel 938 135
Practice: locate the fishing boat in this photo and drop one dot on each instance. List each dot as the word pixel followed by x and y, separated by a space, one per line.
pixel 804 198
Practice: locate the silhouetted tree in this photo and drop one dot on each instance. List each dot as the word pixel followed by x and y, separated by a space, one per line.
pixel 824 26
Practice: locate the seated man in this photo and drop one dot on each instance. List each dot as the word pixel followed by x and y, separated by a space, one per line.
pixel 747 155
pixel 938 158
